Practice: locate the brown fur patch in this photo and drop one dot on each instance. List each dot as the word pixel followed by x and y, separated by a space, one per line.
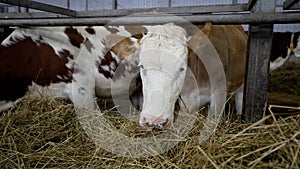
pixel 90 30
pixel 207 29
pixel 120 45
pixel 89 45
pixel 136 31
pixel 25 62
pixel 231 44
pixel 111 29
pixel 107 60
pixel 74 36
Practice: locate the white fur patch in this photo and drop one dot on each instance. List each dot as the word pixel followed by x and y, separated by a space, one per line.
pixel 297 49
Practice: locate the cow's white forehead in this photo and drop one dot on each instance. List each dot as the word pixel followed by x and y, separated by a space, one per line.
pixel 164 44
pixel 169 30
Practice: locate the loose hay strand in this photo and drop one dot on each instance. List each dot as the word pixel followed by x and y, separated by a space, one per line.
pixel 243 131
pixel 208 157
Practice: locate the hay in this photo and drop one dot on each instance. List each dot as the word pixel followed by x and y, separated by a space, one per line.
pixel 286 79
pixel 45 133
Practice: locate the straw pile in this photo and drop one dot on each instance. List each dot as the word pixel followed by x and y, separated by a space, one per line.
pixel 284 85
pixel 45 133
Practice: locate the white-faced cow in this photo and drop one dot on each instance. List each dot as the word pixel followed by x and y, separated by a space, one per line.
pixel 165 58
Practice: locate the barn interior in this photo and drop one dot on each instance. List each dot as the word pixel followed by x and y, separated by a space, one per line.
pixel 45 132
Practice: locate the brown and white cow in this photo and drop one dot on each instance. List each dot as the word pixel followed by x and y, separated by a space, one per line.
pixel 165 58
pixel 77 63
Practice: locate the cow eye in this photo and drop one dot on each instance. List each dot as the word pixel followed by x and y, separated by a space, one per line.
pixel 181 69
pixel 144 72
pixel 141 66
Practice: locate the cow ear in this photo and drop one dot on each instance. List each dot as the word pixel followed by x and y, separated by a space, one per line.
pixel 112 40
pixel 123 47
pixel 194 42
pixel 207 29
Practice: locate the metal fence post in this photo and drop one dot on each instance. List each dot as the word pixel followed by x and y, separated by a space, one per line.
pixel 257 69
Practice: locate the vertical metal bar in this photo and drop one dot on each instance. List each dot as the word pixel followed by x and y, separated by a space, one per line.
pixel 68 4
pixel 257 69
pixel 250 4
pixel 86 5
pixel 19 9
pixel 115 4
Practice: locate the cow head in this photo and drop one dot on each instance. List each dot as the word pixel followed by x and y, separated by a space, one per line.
pixel 163 64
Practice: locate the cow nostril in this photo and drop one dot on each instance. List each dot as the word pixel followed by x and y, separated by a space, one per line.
pixel 150 125
pixel 165 124
pixel 157 126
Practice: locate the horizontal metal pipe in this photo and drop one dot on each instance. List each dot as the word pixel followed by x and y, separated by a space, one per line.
pixel 246 18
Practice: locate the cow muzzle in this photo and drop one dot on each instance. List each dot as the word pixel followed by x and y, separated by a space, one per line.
pixel 155 124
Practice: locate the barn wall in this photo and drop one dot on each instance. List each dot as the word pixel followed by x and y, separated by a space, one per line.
pixel 126 4
pixel 78 5
pixel 99 4
pixel 199 2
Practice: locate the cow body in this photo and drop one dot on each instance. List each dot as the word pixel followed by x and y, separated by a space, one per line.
pixel 230 42
pixel 77 63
